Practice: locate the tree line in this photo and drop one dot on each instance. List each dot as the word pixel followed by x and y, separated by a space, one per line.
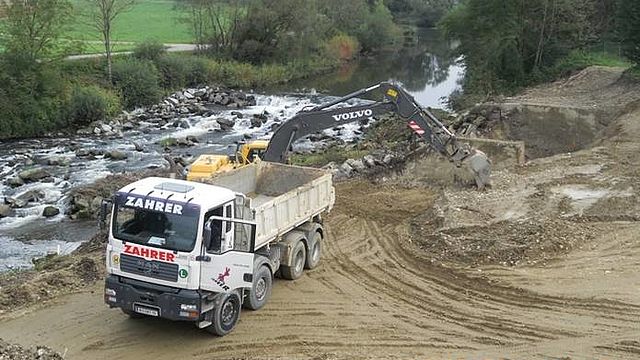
pixel 507 44
pixel 242 43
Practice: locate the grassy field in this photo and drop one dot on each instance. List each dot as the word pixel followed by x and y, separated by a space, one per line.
pixel 147 20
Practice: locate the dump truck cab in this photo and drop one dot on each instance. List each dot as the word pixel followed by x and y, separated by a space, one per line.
pixel 168 257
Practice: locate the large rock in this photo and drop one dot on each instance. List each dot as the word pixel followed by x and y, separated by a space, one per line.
pixel 357 165
pixel 226 124
pixel 369 161
pixel 15 182
pixel 21 200
pixel 5 210
pixel 33 175
pixel 116 155
pixel 50 211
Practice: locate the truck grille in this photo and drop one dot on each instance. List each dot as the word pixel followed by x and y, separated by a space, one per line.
pixel 154 269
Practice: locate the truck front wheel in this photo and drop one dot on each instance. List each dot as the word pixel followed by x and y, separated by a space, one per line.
pixel 261 289
pixel 298 260
pixel 226 315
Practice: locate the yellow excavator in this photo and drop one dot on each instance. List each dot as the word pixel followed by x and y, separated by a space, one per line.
pixel 245 154
pixel 326 116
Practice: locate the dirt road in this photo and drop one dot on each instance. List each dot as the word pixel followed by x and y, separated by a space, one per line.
pixel 373 297
pixel 542 266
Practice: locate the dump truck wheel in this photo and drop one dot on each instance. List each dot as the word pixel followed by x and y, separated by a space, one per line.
pixel 225 316
pixel 315 252
pixel 297 267
pixel 260 290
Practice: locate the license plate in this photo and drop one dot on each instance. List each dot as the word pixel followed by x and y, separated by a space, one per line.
pixel 145 310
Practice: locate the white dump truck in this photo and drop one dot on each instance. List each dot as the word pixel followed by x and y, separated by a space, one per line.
pixel 199 251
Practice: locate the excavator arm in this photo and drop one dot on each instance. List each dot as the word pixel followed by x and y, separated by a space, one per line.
pixel 395 100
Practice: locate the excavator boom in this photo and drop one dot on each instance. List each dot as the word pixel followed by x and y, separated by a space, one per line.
pixel 395 100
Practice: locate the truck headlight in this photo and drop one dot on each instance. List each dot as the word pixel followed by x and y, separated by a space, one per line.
pixel 109 292
pixel 189 311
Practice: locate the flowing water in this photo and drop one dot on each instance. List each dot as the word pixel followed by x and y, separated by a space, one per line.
pixel 426 68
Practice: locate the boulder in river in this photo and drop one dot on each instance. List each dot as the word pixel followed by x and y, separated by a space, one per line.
pixel 33 175
pixel 15 182
pixel 5 210
pixel 226 124
pixel 21 200
pixel 50 211
pixel 115 155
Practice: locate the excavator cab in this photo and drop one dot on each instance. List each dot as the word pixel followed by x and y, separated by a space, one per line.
pixel 246 153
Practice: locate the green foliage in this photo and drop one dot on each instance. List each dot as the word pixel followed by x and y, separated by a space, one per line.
pixel 137 81
pixel 149 50
pixel 580 59
pixel 32 97
pixel 378 29
pixel 629 28
pixel 179 71
pixel 423 13
pixel 34 26
pixel 507 44
pixel 92 103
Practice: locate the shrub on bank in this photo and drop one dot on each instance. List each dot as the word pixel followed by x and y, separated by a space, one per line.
pixel 342 47
pixel 137 81
pixel 149 50
pixel 92 103
pixel 179 71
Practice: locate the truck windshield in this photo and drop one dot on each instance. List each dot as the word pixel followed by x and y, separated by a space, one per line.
pixel 171 230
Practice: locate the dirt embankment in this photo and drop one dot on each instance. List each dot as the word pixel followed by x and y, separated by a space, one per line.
pixel 542 265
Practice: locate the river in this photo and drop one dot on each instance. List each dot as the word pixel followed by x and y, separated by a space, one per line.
pixel 426 68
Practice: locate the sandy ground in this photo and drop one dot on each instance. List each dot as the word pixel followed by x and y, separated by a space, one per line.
pixel 542 266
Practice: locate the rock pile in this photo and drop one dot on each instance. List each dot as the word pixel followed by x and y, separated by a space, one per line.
pixel 186 103
pixel 476 122
pixel 370 164
pixel 17 352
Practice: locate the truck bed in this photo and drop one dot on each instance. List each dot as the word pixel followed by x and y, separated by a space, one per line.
pixel 281 196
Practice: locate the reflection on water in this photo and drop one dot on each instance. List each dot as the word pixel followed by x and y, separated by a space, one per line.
pixel 428 69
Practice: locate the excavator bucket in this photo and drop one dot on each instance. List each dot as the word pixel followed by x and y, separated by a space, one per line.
pixel 480 167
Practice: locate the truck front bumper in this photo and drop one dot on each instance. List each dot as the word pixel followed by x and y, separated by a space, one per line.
pixel 150 299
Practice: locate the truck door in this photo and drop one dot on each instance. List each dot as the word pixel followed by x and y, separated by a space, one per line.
pixel 226 264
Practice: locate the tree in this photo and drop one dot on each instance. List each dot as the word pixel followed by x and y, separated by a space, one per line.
pixel 100 14
pixel 506 43
pixel 629 28
pixel 214 23
pixel 34 26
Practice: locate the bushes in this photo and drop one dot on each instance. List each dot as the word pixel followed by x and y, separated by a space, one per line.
pixel 149 50
pixel 92 103
pixel 378 30
pixel 342 47
pixel 137 81
pixel 32 98
pixel 180 71
pixel 580 59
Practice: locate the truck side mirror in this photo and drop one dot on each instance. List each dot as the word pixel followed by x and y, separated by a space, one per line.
pixel 105 208
pixel 206 235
